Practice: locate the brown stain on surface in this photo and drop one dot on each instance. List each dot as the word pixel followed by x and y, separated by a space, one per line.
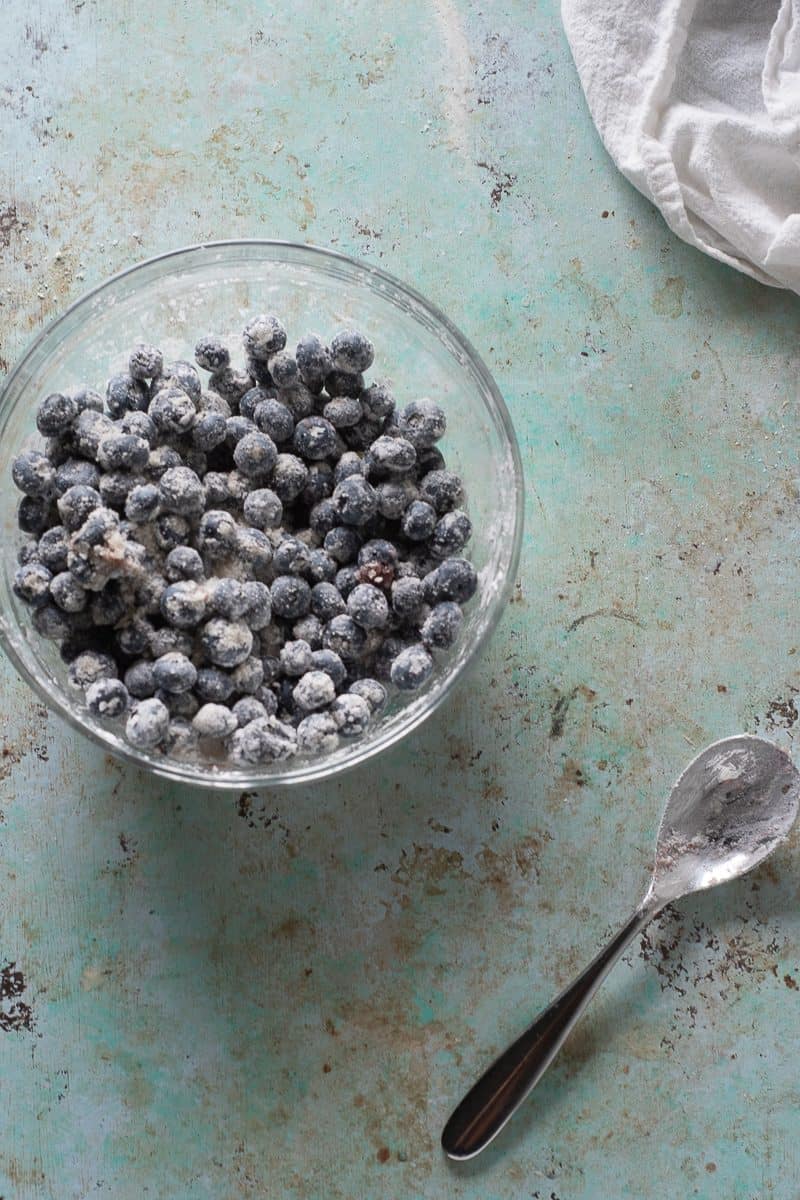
pixel 15 1014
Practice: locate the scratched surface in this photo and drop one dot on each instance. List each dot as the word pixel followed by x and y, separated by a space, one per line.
pixel 282 995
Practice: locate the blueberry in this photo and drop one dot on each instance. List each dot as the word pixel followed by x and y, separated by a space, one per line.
pixel 323 517
pixel 350 463
pixel 263 509
pixel 184 604
pixel 90 427
pixel 214 721
pixel 352 351
pixel 284 370
pixel 150 592
pixel 343 412
pixel 250 401
pixel 368 606
pixel 292 557
pixel 422 423
pixel 53 548
pixel 314 438
pixel 264 740
pixel 309 629
pixel 343 636
pixel 443 489
pixel 249 709
pixel 182 492
pixel 108 606
pixel 142 503
pixel 139 679
pixel 418 521
pixel 140 424
pixel 50 622
pixel 183 563
pixel 33 515
pixel 299 401
pixel 263 336
pixel 322 567
pixel 76 472
pixel 352 714
pixel 238 486
pixel 391 455
pixel 377 400
pixel 59 449
pixel 408 597
pixel 217 534
pixel 32 583
pixel 317 734
pixel 28 552
pixel 314 690
pixel 180 374
pixel 171 530
pixel 442 625
pixel 255 549
pixel 86 397
pixel 145 362
pixel 172 411
pixel 147 724
pixel 34 475
pixel 236 428
pixel 327 601
pixel 133 638
pixel 372 691
pixel 161 459
pixel 56 414
pixel 228 599
pixel 344 383
pixel 115 486
pixel 429 459
pixel 342 543
pixel 123 452
pixel 362 435
pixel 274 418
pixel 454 579
pixel 289 477
pixel 255 455
pixel 174 672
pixel 75 505
pixel 291 597
pixel 211 354
pixel 378 550
pixel 213 685
pixel 218 493
pixel 90 666
pixel 248 677
pixel 331 663
pixel 210 430
pixel 212 402
pixel 451 534
pixel 314 360
pixel 107 698
pixel 180 739
pixel 356 500
pixel 226 643
pixel 411 668
pixel 125 394
pixel 231 384
pixel 67 593
pixel 258 613
pixel 347 578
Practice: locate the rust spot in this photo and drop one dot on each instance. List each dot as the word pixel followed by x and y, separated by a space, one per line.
pixel 721 687
pixel 782 713
pixel 502 185
pixel 359 1101
pixel 384 1154
pixel 9 223
pixel 326 1068
pixel 331 1028
pixel 16 1015
pixel 428 865
pixel 711 1167
pixel 790 983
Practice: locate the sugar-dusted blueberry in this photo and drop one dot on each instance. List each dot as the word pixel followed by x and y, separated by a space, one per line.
pixel 212 402
pixel 139 424
pixel 89 666
pixel 211 354
pixel 344 384
pixel 284 370
pixel 107 698
pixel 264 740
pixel 184 604
pixel 214 721
pixel 54 548
pixel 226 643
pixel 327 601
pixel 139 679
pixel 180 704
pixel 299 401
pixel 423 423
pixel 343 412
pixel 343 542
pixel 86 397
pixel 133 637
pixel 272 417
pixel 368 606
pixel 109 606
pixel 291 597
pixel 351 713
pixel 33 514
pixel 213 685
pixel 32 583
pixel 237 427
pixel 411 668
pixel 123 452
pixel 248 677
pixel 430 458
pixel 182 492
pixel 115 486
pixel 217 534
pixel 183 375
pixel 322 567
pixel 145 362
pixel 295 658
pixel 171 530
pixel 352 351
pixel 292 557
pixel 75 505
pixel 356 500
pixel 418 521
pixel 149 593
pixel 33 473
pixel 249 709
pixel 443 489
pixel 28 552
pixel 231 384
pixel 314 360
pixel 379 550
pixel 317 733
pixel 331 663
pixel 314 690
pixel 408 597
pixel 255 455
pixel 56 414
pixel 142 503
pixel 314 438
pixel 124 394
pixel 378 400
pixel 442 626
pixel 172 411
pixel 289 477
pixel 345 637
pixel 76 472
pixel 452 532
pixel 350 463
pixel 180 740
pixel 263 508
pixel 90 427
pixel 209 430
pixel 254 549
pixel 161 459
pixel 228 598
pixel 51 622
pixel 258 613
pixel 454 579
pixel 147 723
pixel 67 593
pixel 183 562
pixel 370 690
pixel 174 672
pixel 323 517
pixel 263 336
pixel 391 455
pixel 309 629
pixel 347 578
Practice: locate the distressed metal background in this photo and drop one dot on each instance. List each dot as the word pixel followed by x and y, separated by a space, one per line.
pixel 282 995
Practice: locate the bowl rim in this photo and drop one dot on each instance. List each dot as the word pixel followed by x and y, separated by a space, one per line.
pixel 174 770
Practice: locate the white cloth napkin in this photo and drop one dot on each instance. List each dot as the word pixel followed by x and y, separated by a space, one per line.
pixel 698 103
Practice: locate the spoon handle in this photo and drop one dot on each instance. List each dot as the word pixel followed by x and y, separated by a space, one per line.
pixel 497 1095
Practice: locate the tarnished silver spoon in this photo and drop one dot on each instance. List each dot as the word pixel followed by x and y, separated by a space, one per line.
pixel 730 808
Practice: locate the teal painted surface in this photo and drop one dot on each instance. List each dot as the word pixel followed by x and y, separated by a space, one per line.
pixel 283 995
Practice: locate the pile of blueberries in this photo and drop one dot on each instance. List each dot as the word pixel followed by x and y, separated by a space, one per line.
pixel 237 571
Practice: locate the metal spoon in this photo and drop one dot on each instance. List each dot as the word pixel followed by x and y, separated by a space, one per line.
pixel 730 808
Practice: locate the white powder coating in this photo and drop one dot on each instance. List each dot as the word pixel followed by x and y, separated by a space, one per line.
pixel 315 690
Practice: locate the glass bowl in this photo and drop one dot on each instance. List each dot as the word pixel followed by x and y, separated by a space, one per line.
pixel 172 299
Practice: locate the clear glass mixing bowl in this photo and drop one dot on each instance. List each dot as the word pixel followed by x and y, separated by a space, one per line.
pixel 169 301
